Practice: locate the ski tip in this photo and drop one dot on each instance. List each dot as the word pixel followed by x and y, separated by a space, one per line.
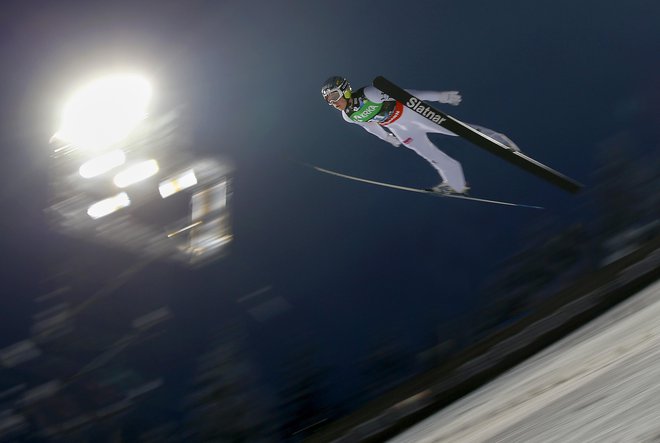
pixel 480 199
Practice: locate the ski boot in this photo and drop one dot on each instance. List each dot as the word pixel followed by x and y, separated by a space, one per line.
pixel 445 189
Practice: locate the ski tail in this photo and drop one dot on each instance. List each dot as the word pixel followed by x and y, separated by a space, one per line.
pixel 472 135
pixel 418 190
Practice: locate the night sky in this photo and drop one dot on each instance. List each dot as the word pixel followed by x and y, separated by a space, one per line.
pixel 356 265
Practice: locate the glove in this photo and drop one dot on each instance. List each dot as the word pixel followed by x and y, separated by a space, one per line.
pixel 450 97
pixel 392 140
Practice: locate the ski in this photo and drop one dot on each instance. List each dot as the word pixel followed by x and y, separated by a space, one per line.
pixel 472 135
pixel 421 191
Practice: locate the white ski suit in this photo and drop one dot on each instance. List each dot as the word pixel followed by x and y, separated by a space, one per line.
pixel 374 110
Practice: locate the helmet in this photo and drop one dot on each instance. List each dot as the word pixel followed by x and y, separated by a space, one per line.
pixel 335 88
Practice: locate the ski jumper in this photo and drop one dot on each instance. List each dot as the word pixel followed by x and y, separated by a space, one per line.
pixel 374 111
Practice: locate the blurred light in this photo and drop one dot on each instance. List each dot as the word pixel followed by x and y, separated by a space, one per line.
pixel 172 186
pixel 105 111
pixel 209 200
pixel 18 353
pixel 136 173
pixel 40 392
pixel 108 206
pixel 184 229
pixel 144 388
pixel 152 318
pixel 102 164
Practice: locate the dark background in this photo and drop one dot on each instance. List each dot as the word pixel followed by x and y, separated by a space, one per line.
pixel 356 281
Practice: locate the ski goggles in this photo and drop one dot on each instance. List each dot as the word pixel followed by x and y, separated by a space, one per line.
pixel 332 95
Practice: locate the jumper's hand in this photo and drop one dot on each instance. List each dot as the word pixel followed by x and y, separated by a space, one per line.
pixel 450 97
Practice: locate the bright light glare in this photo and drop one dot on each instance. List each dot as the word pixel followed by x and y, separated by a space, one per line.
pixel 108 206
pixel 105 111
pixel 102 164
pixel 136 173
pixel 182 181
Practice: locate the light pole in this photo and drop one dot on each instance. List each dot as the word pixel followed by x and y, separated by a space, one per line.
pixel 128 179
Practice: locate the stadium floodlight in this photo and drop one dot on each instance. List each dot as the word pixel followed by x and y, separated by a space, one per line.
pixel 105 111
pixel 178 183
pixel 136 173
pixel 102 164
pixel 109 205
